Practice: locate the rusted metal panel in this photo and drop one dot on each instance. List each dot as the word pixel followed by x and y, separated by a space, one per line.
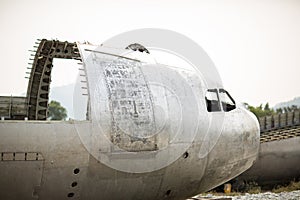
pixel 128 94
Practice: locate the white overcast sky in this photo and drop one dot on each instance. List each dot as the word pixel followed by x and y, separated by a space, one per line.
pixel 254 44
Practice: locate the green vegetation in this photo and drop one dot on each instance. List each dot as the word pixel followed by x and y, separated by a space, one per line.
pixel 56 111
pixel 262 111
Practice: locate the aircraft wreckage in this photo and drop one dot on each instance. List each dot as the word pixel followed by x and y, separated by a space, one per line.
pixel 148 131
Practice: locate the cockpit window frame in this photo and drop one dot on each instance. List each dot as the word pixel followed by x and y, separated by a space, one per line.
pixel 219 105
pixel 228 107
pixel 213 105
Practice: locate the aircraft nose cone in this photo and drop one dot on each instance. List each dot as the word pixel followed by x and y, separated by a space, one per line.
pixel 251 131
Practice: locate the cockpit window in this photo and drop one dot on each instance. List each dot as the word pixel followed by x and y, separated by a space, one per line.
pixel 227 101
pixel 212 100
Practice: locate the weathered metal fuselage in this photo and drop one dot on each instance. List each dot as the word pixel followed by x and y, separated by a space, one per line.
pixel 63 160
pixel 150 133
pixel 278 160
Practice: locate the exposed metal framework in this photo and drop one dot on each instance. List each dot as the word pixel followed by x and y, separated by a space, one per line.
pixel 40 76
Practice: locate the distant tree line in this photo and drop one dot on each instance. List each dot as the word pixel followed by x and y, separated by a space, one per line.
pixel 287 109
pixel 262 111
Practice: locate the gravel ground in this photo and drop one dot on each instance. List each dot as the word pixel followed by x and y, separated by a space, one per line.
pixel 294 195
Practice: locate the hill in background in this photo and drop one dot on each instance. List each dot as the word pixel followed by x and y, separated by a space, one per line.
pixel 295 101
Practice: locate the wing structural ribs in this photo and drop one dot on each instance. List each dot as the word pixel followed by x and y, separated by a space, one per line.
pixel 40 75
